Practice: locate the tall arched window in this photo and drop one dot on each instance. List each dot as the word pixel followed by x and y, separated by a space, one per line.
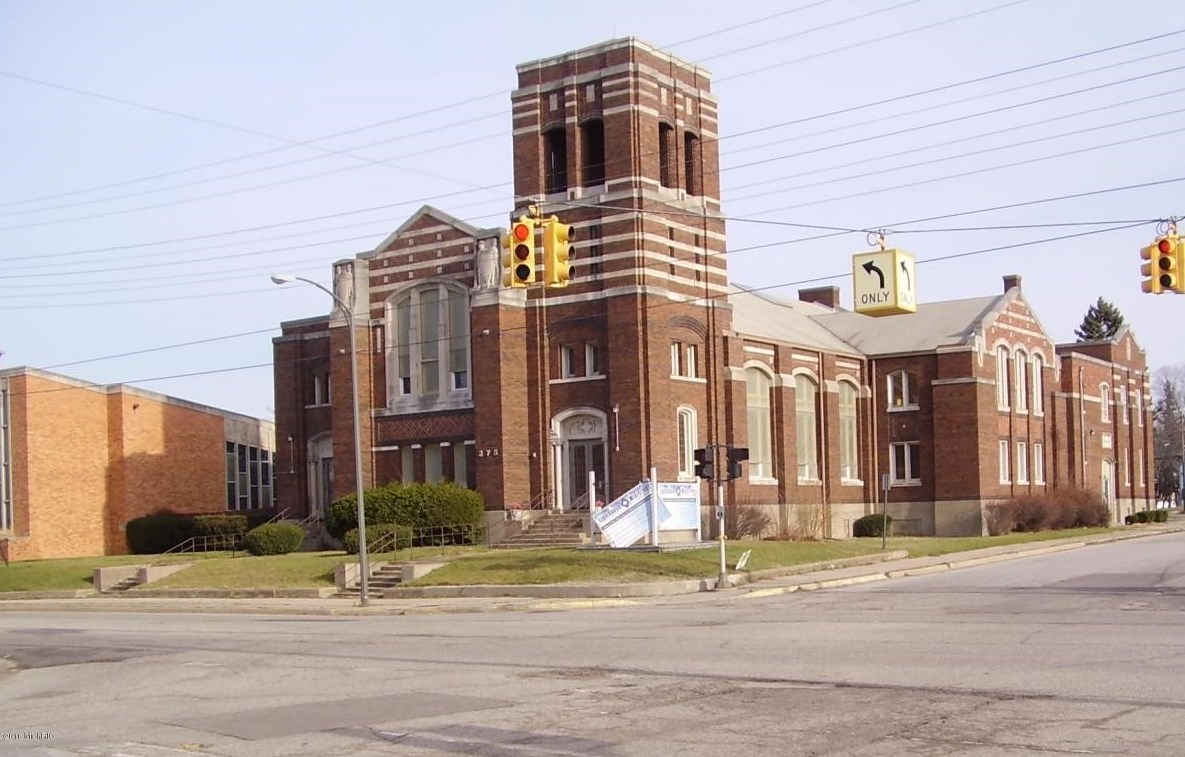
pixel 688 439
pixel 757 383
pixel 1038 385
pixel 848 432
pixel 1022 382
pixel 592 153
pixel 666 155
pixel 806 394
pixel 428 349
pixel 555 160
pixel 692 179
pixel 1104 403
pixel 1003 385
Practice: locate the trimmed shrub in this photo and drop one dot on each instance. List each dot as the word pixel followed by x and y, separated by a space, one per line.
pixel 1055 509
pixel 374 534
pixel 1147 516
pixel 153 534
pixel 419 506
pixel 219 525
pixel 872 525
pixel 274 539
pixel 1162 516
pixel 257 518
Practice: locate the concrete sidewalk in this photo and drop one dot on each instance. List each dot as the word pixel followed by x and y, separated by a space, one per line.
pixel 451 599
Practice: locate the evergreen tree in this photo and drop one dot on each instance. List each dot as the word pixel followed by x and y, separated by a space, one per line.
pixel 1102 321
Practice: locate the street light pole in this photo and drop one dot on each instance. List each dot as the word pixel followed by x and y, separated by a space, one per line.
pixel 363 552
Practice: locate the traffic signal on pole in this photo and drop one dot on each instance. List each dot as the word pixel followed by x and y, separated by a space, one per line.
pixel 557 252
pixel 518 254
pixel 736 456
pixel 704 467
pixel 1162 272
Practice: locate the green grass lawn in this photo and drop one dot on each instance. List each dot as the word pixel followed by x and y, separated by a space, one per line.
pixel 478 565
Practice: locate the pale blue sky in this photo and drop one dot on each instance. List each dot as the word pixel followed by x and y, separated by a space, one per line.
pixel 98 259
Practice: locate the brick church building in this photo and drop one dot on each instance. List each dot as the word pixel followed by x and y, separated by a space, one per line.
pixel 651 352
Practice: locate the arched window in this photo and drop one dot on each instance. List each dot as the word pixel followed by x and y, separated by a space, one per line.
pixel 666 155
pixel 428 350
pixel 1022 382
pixel 757 383
pixel 1038 385
pixel 1105 403
pixel 693 180
pixel 848 432
pixel 555 160
pixel 806 395
pixel 902 391
pixel 688 439
pixel 1003 385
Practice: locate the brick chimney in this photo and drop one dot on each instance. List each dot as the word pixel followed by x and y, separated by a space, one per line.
pixel 827 296
pixel 1011 281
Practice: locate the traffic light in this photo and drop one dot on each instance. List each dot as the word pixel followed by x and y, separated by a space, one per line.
pixel 736 456
pixel 518 254
pixel 557 252
pixel 1162 272
pixel 704 467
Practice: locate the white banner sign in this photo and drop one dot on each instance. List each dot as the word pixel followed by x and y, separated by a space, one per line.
pixel 626 519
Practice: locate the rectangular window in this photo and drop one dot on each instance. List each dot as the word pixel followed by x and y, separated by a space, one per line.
pixel 249 482
pixel 1121 404
pixel 321 388
pixel 1022 384
pixel 906 463
pixel 433 470
pixel 1127 467
pixel 429 342
pixel 567 361
pixel 666 173
pixel 1005 462
pixel 1138 407
pixel 592 360
pixel 458 339
pixel 403 332
pixel 690 368
pixel 1038 385
pixel 1140 462
pixel 1002 383
pixel 6 523
pixel 1022 462
pixel 676 358
pixel 407 463
pixel 1038 463
pixel 460 465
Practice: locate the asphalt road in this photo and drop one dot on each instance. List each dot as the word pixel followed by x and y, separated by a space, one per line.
pixel 1077 652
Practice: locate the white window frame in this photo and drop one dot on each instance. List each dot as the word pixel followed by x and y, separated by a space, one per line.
pixel 849 432
pixel 1038 384
pixel 1138 407
pixel 592 359
pixel 1038 462
pixel 1022 462
pixel 759 440
pixel 806 435
pixel 1104 403
pixel 406 341
pixel 1127 467
pixel 909 475
pixel 567 361
pixel 901 385
pixel 1021 381
pixel 687 441
pixel 691 362
pixel 1005 451
pixel 1121 404
pixel 1003 378
pixel 321 388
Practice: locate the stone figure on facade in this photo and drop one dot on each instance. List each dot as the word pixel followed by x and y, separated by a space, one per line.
pixel 487 264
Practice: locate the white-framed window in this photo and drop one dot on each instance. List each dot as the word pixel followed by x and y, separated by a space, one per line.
pixel 1005 462
pixel 1022 462
pixel 757 415
pixel 592 360
pixel 688 438
pixel 1121 404
pixel 1127 467
pixel 1038 385
pixel 905 462
pixel 428 345
pixel 902 388
pixel 684 360
pixel 1140 462
pixel 433 465
pixel 1138 407
pixel 1104 403
pixel 461 465
pixel 1021 364
pixel 1038 463
pixel 849 447
pixel 806 397
pixel 321 388
pixel 567 361
pixel 1003 384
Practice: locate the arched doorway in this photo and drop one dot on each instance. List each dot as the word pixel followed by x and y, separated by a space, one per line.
pixel 579 439
pixel 320 474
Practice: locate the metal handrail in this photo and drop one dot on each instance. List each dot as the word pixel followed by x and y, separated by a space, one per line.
pixel 581 502
pixel 230 542
pixel 541 501
pixel 279 516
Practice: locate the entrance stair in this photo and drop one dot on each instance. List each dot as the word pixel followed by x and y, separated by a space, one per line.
pixel 553 529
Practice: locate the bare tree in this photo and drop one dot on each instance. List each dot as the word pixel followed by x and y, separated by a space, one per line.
pixel 1168 426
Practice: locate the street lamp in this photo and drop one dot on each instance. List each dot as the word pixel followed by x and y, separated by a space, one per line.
pixel 363 556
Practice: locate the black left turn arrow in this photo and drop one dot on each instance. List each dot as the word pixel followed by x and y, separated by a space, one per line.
pixel 871 267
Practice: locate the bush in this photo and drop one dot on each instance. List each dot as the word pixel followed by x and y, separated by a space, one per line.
pixel 1055 509
pixel 743 521
pixel 872 525
pixel 274 539
pixel 376 533
pixel 153 534
pixel 419 506
pixel 1147 516
pixel 219 525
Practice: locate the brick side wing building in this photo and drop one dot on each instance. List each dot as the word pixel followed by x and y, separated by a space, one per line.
pixel 651 353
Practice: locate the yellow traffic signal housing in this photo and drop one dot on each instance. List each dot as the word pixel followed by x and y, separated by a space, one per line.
pixel 1162 272
pixel 557 252
pixel 518 254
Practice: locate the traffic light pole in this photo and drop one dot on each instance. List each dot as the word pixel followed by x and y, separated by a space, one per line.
pixel 722 581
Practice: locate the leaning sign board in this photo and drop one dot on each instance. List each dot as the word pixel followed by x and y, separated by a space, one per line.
pixel 627 518
pixel 883 282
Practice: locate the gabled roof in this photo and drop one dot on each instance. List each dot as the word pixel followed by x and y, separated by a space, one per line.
pixel 762 315
pixel 933 326
pixel 436 214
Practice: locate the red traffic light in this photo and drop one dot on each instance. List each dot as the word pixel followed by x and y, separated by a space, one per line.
pixel 1164 246
pixel 521 232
